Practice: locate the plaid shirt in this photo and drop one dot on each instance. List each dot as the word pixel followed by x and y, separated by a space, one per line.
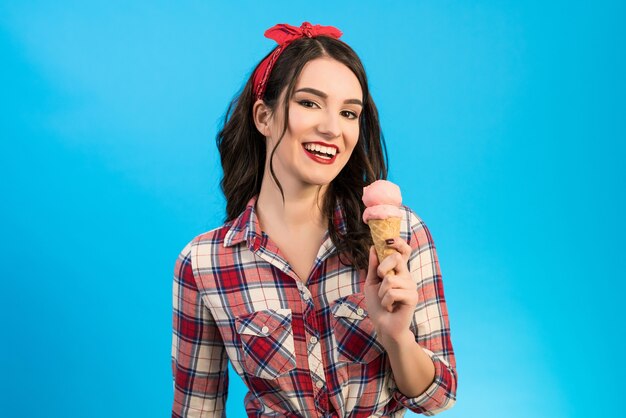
pixel 302 350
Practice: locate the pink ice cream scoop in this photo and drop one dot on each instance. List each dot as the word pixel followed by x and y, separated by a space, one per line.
pixel 382 199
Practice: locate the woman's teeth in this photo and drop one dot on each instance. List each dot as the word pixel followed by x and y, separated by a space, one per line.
pixel 322 151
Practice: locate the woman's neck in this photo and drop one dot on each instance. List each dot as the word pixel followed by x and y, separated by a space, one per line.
pixel 301 207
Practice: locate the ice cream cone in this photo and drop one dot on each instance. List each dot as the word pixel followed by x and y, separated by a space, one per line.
pixel 382 230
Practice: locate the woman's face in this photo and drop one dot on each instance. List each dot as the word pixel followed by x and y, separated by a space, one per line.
pixel 323 125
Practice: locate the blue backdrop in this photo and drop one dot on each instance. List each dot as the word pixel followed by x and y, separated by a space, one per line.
pixel 505 124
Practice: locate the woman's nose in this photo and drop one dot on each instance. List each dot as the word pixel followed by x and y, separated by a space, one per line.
pixel 329 125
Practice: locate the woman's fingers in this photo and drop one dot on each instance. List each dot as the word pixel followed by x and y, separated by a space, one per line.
pixel 396 285
pixel 383 290
pixel 391 285
pixel 400 246
pixel 392 281
pixel 398 262
pixel 395 262
pixel 400 296
pixel 389 282
pixel 372 268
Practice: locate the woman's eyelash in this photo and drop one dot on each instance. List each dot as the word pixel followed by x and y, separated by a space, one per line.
pixel 306 103
pixel 310 104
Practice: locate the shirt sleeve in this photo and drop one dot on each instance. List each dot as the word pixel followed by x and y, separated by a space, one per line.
pixel 430 324
pixel 199 362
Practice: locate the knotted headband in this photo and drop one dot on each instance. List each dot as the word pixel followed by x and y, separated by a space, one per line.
pixel 284 34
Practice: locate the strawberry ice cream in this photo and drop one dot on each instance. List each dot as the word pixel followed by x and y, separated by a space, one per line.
pixel 382 214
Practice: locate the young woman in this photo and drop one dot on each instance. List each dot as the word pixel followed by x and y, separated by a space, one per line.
pixel 289 289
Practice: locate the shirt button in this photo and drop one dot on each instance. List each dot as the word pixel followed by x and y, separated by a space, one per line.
pixel 360 311
pixel 265 330
pixel 306 296
pixel 319 384
pixel 313 340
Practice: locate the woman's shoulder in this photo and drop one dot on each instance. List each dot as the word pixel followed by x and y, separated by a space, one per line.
pixel 209 241
pixel 217 245
pixel 413 227
pixel 410 218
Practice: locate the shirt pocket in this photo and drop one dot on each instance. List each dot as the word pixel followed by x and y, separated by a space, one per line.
pixel 267 342
pixel 354 331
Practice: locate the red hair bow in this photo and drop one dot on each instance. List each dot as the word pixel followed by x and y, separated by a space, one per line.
pixel 284 34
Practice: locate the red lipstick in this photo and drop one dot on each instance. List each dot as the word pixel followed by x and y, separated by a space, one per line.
pixel 319 159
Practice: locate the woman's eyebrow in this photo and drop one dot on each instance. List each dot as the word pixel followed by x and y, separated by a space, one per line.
pixel 325 96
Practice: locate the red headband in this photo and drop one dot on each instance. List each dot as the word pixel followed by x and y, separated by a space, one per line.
pixel 284 34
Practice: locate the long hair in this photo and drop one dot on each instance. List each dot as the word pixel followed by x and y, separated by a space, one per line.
pixel 242 147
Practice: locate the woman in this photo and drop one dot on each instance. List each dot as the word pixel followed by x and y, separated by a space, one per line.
pixel 289 289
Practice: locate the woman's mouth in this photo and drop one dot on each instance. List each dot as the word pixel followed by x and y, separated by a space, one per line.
pixel 320 153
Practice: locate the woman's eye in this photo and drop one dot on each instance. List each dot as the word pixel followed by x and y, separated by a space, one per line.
pixel 311 105
pixel 307 103
pixel 349 114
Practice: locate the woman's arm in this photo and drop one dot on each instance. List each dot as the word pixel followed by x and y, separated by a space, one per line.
pixel 411 319
pixel 199 362
pixel 395 298
pixel 413 369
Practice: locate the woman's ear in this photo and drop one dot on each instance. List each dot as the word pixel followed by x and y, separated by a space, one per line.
pixel 262 116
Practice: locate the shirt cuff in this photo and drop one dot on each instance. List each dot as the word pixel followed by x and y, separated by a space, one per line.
pixel 436 398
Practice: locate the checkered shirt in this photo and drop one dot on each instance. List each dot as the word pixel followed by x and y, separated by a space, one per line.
pixel 303 350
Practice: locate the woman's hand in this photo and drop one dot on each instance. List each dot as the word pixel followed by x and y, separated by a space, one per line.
pixel 391 298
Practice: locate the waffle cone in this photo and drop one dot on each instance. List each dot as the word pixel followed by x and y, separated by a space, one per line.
pixel 382 230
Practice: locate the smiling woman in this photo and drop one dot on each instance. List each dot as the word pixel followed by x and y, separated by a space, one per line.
pixel 323 127
pixel 283 290
pixel 321 135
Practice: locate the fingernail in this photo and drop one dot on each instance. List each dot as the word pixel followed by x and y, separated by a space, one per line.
pixel 389 241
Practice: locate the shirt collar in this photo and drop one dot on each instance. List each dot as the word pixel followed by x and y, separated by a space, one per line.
pixel 246 226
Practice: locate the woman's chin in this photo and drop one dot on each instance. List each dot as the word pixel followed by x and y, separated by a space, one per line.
pixel 320 180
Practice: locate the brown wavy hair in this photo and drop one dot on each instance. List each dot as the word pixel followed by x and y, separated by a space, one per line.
pixel 242 147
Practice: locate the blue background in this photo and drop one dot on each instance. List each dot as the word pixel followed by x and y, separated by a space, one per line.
pixel 505 124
